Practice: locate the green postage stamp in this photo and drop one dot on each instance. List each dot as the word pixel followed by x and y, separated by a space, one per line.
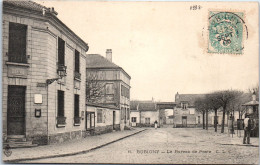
pixel 225 32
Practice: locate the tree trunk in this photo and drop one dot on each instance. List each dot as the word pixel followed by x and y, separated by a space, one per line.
pixel 216 120
pixel 207 119
pixel 203 121
pixel 223 120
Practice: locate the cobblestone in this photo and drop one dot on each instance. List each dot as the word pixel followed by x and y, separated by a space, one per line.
pixel 67 148
pixel 171 145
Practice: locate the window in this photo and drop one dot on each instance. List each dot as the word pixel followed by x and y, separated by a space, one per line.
pixel 122 113
pixel 17 43
pixel 77 62
pixel 61 52
pixel 133 119
pixel 60 103
pixel 184 105
pixel 77 74
pixel 99 115
pixel 125 92
pixel 147 120
pixel 61 120
pixel 128 114
pixel 125 114
pixel 76 109
pixel 192 111
pixel 198 119
pixel 109 89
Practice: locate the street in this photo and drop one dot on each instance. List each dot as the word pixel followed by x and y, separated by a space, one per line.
pixel 170 145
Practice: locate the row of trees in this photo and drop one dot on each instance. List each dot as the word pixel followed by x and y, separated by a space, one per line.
pixel 227 101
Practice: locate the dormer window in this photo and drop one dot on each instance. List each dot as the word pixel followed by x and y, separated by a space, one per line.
pixel 184 105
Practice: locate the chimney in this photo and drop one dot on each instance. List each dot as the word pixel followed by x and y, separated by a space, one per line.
pixel 254 96
pixel 109 54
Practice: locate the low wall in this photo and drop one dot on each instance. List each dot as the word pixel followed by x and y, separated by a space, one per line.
pixel 102 130
pixel 66 136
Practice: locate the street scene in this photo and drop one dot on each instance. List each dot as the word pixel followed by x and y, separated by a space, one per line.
pixel 130 82
pixel 168 145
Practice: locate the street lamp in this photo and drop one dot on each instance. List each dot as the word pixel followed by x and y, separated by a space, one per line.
pixel 61 73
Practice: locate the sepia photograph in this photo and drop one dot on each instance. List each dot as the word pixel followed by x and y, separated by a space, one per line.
pixel 130 82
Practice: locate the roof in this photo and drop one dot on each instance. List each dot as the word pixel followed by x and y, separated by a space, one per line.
pixel 190 98
pixel 251 103
pixel 96 61
pixel 166 105
pixel 35 7
pixel 101 105
pixel 143 105
pixel 25 4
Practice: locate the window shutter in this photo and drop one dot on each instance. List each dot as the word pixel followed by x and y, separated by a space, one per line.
pixel 60 103
pixel 61 52
pixel 77 61
pixel 17 43
pixel 76 105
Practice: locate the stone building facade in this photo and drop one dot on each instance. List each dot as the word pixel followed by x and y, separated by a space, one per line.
pixel 185 114
pixel 108 85
pixel 43 68
pixel 102 119
pixel 144 113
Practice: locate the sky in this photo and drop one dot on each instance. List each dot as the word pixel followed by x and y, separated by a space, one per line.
pixel 163 45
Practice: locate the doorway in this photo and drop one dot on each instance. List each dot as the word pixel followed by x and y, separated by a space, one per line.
pixel 16 110
pixel 90 120
pixel 184 121
pixel 114 119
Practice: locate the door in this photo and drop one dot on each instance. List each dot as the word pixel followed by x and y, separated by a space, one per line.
pixel 16 110
pixel 114 119
pixel 90 120
pixel 184 121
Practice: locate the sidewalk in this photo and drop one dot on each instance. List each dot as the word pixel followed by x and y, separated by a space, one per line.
pixel 68 148
pixel 225 139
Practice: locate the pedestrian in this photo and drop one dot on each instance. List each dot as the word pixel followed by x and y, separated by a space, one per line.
pixel 247 129
pixel 155 124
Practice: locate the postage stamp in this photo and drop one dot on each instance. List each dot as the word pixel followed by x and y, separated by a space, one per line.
pixel 226 32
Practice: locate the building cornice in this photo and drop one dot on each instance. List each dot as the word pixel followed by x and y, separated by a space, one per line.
pixel 110 68
pixel 50 18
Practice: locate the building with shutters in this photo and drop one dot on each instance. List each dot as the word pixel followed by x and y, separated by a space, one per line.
pixel 107 85
pixel 44 65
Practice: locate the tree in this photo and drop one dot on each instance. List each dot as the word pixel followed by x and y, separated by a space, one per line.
pixel 94 88
pixel 224 98
pixel 214 104
pixel 201 107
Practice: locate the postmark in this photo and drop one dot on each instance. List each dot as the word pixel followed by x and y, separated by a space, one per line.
pixel 226 32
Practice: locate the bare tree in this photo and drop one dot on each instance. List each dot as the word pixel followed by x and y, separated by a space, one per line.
pixel 94 88
pixel 224 98
pixel 201 107
pixel 214 104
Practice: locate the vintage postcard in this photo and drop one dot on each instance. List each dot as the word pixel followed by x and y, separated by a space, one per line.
pixel 130 82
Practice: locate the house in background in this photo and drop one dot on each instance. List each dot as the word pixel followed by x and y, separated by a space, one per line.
pixel 108 85
pixel 43 78
pixel 144 113
pixel 101 118
pixel 184 114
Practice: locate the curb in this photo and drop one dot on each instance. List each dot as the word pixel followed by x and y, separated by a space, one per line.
pixel 73 153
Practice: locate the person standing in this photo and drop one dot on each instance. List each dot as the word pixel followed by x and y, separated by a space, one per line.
pixel 247 130
pixel 155 124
